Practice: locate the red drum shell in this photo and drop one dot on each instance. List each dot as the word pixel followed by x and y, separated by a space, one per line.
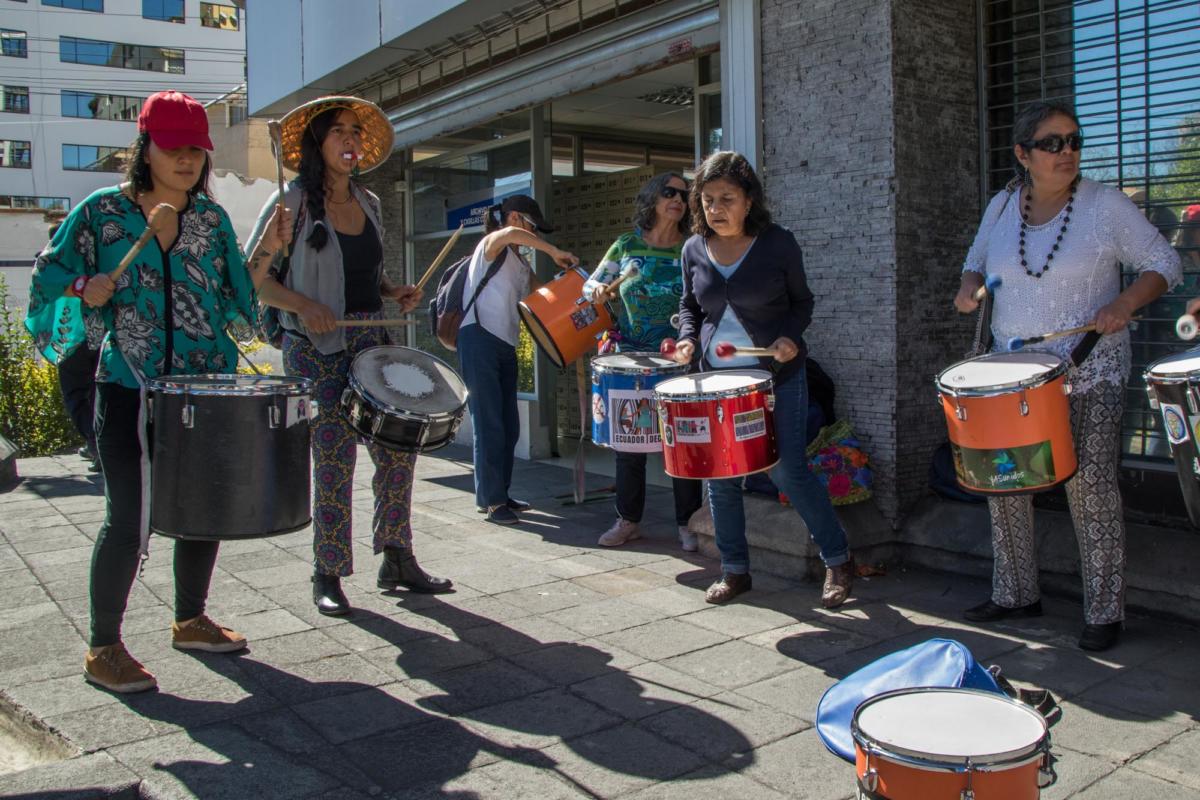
pixel 717 434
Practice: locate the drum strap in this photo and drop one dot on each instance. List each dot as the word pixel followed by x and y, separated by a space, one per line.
pixel 580 455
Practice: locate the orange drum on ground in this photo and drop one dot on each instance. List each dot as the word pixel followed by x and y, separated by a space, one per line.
pixel 562 323
pixel 941 744
pixel 1009 421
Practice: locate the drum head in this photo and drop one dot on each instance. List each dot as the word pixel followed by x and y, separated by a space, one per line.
pixel 951 725
pixel 409 380
pixel 726 381
pixel 230 384
pixel 636 363
pixel 1176 364
pixel 1001 371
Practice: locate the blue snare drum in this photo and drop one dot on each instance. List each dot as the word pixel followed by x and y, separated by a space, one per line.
pixel 623 413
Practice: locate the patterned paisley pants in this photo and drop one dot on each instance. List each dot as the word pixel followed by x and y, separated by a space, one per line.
pixel 334 449
pixel 1096 512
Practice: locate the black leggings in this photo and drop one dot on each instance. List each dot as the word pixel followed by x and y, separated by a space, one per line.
pixel 115 556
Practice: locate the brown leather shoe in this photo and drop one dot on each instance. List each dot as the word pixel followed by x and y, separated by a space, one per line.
pixel 113 668
pixel 837 584
pixel 728 587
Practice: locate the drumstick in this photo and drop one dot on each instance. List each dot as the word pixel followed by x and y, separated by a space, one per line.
pixel 992 283
pixel 629 272
pixel 437 262
pixel 1185 327
pixel 1016 343
pixel 727 350
pixel 276 133
pixel 371 323
pixel 668 346
pixel 154 226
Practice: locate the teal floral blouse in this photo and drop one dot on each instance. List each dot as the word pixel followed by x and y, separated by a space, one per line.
pixel 209 285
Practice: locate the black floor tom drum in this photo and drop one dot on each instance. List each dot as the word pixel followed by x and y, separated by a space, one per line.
pixel 1173 385
pixel 229 455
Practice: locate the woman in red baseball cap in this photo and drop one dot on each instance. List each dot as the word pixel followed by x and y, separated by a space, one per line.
pixel 166 314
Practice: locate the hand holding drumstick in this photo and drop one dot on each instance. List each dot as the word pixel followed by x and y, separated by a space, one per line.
pixel 782 350
pixel 99 289
pixel 608 292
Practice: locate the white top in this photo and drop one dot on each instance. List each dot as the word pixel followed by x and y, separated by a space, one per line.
pixel 496 307
pixel 707 382
pixel 729 328
pixel 1177 363
pixel 1106 229
pixel 952 725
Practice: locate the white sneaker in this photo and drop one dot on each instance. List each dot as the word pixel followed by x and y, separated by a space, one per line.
pixel 621 532
pixel 687 539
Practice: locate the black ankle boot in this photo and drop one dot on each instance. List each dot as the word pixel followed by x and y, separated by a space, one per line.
pixel 328 595
pixel 400 568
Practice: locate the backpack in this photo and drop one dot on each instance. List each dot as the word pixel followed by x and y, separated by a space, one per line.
pixel 446 309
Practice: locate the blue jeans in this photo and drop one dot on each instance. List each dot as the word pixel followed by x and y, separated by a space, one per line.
pixel 793 478
pixel 489 368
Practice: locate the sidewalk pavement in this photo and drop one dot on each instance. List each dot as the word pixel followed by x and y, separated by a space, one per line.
pixel 558 669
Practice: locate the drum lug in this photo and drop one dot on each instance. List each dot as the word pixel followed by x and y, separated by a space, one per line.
pixel 346 395
pixel 1024 405
pixel 960 411
pixel 273 416
pixel 188 415
pixel 377 424
pixel 1152 398
pixel 969 792
pixel 580 301
pixel 720 414
pixel 1191 398
pixel 314 408
pixel 1067 388
pixel 870 778
pixel 637 386
pixel 771 402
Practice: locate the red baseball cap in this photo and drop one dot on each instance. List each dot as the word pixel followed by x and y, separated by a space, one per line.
pixel 174 120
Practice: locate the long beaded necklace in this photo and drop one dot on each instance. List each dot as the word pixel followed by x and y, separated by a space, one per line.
pixel 1061 232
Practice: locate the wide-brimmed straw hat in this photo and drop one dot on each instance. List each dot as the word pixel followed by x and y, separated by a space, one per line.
pixel 377 134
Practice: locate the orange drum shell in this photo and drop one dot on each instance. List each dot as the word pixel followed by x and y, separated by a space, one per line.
pixel 551 307
pixel 899 781
pixel 995 422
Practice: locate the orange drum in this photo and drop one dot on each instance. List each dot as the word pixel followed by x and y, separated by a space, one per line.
pixel 563 324
pixel 947 744
pixel 1009 421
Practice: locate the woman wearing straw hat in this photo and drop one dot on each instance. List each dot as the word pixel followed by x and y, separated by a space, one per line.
pixel 334 272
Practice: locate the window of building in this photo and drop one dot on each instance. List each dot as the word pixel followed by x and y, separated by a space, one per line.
pixel 35 201
pixel 163 10
pixel 215 15
pixel 94 158
pixel 1129 69
pixel 14 99
pixel 72 50
pixel 15 154
pixel 12 43
pixel 236 113
pixel 79 5
pixel 88 105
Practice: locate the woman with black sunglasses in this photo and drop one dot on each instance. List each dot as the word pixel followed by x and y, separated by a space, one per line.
pixel 649 296
pixel 1058 241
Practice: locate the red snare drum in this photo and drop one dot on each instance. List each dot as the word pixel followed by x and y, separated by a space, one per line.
pixel 717 424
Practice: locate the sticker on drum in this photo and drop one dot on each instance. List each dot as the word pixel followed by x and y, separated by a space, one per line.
pixel 1173 422
pixel 749 425
pixel 693 430
pixel 584 316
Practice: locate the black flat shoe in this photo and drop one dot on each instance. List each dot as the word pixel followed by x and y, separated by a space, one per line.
pixel 1100 637
pixel 328 595
pixel 987 611
pixel 515 505
pixel 400 568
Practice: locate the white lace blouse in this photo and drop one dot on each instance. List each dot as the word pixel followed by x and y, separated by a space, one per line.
pixel 1106 230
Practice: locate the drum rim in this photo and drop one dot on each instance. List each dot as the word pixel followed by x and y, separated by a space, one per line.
pixel 529 318
pixel 356 384
pixel 1174 377
pixel 766 385
pixel 1009 759
pixel 1056 372
pixel 266 385
pixel 607 370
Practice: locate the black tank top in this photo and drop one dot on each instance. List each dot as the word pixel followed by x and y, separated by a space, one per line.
pixel 362 263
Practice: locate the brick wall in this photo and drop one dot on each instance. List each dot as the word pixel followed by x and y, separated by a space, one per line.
pixel 937 212
pixel 829 174
pixel 870 158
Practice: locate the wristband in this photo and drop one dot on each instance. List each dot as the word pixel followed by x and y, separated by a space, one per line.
pixel 78 285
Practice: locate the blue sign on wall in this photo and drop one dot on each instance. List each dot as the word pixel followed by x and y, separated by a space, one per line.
pixel 470 208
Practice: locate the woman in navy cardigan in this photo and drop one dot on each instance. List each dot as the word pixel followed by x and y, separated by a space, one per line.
pixel 743 282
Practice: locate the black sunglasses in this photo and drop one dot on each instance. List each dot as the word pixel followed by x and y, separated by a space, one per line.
pixel 673 191
pixel 1054 143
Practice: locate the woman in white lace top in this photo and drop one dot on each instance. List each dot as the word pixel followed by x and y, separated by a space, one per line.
pixel 1059 241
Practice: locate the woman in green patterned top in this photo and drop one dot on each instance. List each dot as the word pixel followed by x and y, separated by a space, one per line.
pixel 166 314
pixel 649 296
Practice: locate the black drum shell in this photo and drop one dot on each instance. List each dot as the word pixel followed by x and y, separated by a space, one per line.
pixel 406 433
pixel 231 475
pixel 1175 392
